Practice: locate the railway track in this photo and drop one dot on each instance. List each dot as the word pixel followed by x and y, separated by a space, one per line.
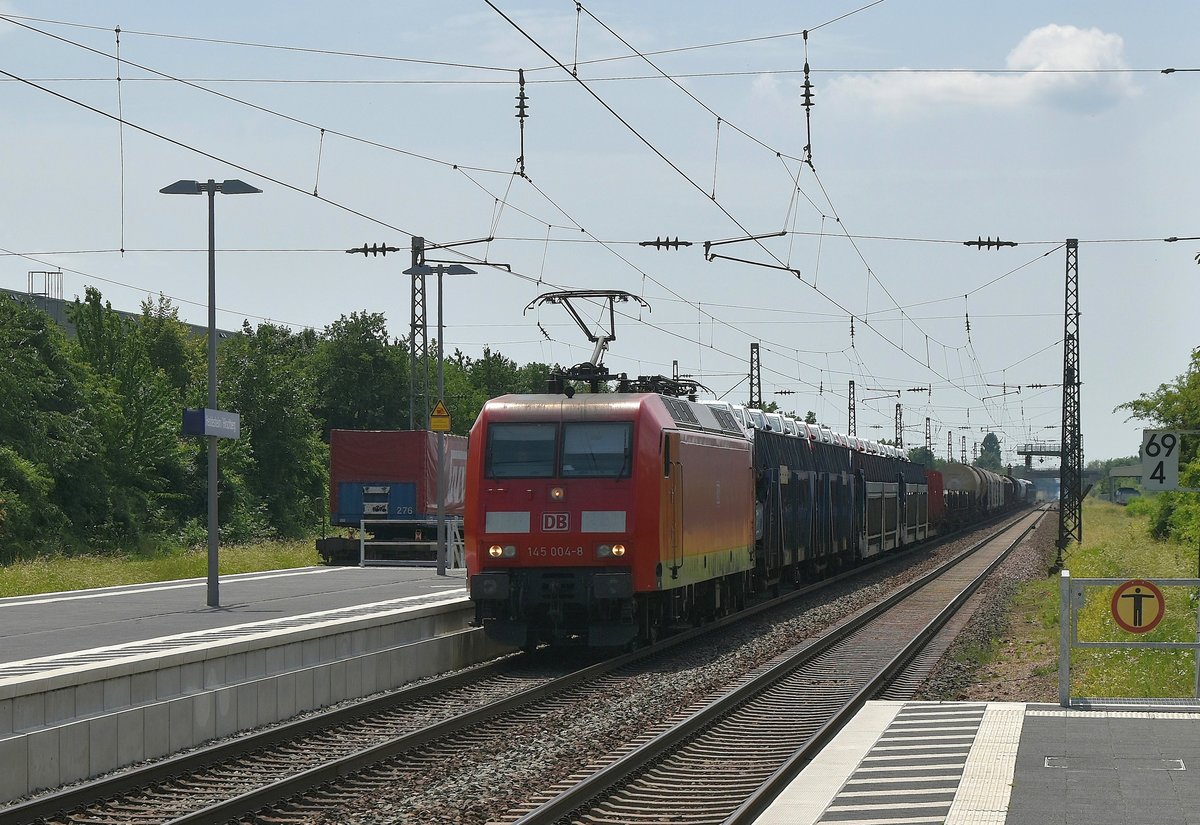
pixel 727 760
pixel 197 786
pixel 297 772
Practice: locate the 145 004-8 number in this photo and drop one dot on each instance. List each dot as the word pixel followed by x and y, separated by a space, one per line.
pixel 556 552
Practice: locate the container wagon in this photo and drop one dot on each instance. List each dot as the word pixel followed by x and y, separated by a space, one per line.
pixel 384 484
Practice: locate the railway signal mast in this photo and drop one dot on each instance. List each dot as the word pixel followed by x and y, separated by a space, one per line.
pixel 755 378
pixel 852 428
pixel 1070 502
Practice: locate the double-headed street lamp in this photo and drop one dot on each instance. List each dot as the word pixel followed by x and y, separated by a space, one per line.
pixel 440 270
pixel 217 422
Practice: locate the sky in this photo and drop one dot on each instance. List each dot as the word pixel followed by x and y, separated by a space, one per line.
pixel 932 123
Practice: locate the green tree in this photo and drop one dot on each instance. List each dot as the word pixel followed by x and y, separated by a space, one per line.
pixel 167 344
pixel 989 454
pixel 361 378
pixel 491 376
pixel 463 399
pixel 1175 405
pixel 49 444
pixel 924 455
pixel 532 377
pixel 264 379
pixel 137 410
pixel 494 375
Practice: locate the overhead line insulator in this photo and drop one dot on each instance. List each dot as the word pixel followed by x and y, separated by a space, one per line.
pixel 989 243
pixel 665 243
pixel 373 249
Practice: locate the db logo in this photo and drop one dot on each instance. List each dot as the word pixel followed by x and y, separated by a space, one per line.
pixel 556 522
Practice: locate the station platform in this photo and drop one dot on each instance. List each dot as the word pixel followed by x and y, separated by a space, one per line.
pixel 957 763
pixel 65 623
pixel 94 680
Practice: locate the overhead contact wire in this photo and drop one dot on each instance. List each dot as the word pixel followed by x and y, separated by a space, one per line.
pixel 254 106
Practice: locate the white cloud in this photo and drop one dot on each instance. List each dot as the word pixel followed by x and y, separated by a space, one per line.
pixel 1048 60
pixel 7 8
pixel 768 87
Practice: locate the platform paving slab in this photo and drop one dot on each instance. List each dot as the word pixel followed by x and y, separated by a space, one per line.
pixel 909 763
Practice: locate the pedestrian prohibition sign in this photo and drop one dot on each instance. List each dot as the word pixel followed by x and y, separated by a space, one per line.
pixel 1138 606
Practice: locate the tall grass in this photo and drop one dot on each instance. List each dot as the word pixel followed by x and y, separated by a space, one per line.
pixel 49 574
pixel 1117 544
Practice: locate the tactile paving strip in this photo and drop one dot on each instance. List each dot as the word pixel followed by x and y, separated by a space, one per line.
pixel 912 773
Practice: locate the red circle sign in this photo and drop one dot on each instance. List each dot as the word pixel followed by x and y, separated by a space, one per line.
pixel 1138 606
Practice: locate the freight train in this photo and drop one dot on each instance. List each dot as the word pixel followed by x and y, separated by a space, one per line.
pixel 602 519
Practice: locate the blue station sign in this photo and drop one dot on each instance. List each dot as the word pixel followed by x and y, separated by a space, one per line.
pixel 212 422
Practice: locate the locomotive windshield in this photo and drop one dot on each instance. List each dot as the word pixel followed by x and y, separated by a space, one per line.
pixel 521 450
pixel 598 449
pixel 593 449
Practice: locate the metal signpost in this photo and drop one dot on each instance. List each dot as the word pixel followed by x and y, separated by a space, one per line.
pixel 1136 606
pixel 439 422
pixel 1160 464
pixel 440 270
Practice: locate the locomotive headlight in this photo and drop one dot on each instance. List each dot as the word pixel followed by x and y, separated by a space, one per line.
pixel 495 551
pixel 604 551
pixel 558 494
pixel 618 549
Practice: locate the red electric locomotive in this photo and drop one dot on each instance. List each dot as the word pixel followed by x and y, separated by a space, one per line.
pixel 599 518
pixel 602 518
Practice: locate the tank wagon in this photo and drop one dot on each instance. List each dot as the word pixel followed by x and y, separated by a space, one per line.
pixel 602 519
pixel 972 493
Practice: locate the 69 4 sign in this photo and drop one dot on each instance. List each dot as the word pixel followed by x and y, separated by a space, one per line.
pixel 1160 459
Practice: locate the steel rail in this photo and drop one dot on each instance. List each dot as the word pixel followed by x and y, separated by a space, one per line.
pixel 313 778
pixel 624 768
pixel 59 804
pixel 299 783
pixel 758 802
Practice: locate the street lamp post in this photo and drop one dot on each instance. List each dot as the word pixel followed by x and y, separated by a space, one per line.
pixel 440 270
pixel 212 187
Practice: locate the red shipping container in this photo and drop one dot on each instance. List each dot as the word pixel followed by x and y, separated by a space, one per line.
pixel 398 457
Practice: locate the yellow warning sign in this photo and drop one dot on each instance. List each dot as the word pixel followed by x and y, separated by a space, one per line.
pixel 439 420
pixel 1138 606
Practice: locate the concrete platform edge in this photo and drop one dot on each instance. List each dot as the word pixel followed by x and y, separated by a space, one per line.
pixel 811 792
pixel 55 754
pixel 460 611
